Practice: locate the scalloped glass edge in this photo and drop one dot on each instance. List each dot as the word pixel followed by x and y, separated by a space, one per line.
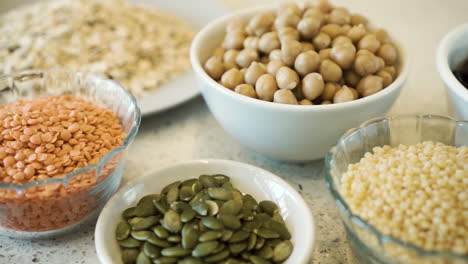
pixel 128 139
pixel 343 206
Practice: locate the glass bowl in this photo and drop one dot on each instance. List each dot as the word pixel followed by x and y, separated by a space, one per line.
pixel 369 244
pixel 55 206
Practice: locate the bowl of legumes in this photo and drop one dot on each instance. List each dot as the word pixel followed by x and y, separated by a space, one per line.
pixel 287 81
pixel 206 211
pixel 63 137
pixel 401 185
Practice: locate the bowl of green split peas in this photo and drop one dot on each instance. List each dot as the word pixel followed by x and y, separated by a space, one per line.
pixel 206 211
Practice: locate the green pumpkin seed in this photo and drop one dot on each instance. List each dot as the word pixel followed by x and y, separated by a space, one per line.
pixel 220 193
pixel 134 220
pixel 204 248
pixel 143 259
pixel 186 193
pixel 145 207
pixel 213 207
pixel 231 207
pixel 123 230
pixel 179 206
pixel 172 195
pixel 129 242
pixel 237 248
pixel 239 236
pixel 129 212
pixel 212 223
pixel 176 252
pixel 187 215
pixel 258 260
pixel 189 182
pixel 172 221
pixel 246 255
pixel 200 207
pixel 196 187
pixel 278 218
pixel 227 234
pixel 227 185
pixel 210 235
pixel 129 256
pixel 269 207
pixel 273 242
pixel 265 252
pixel 220 179
pixel 190 260
pixel 260 243
pixel 141 235
pixel 250 202
pixel 230 221
pixel 263 217
pixel 160 232
pixel 279 228
pixel 174 239
pixel 190 233
pixel 146 223
pixel 252 241
pixel 151 250
pixel 219 248
pixel 153 239
pixel 233 261
pixel 207 181
pixel 267 233
pixel 282 251
pixel 165 260
pixel 168 187
pixel 252 225
pixel 216 258
pixel 161 206
pixel 237 195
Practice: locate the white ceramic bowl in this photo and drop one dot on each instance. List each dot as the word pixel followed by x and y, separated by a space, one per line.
pixel 453 49
pixel 287 132
pixel 259 183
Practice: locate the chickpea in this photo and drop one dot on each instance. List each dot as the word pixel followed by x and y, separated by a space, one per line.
pixel 366 64
pixel 364 52
pixel 343 95
pixel 290 8
pixel 357 19
pixel 388 53
pixel 232 78
pixel 305 102
pixel 246 89
pixel 382 36
pixel 275 55
pixel 230 59
pixel 266 87
pixel 265 60
pixel 214 67
pixel 392 70
pixel 330 71
pixel 236 25
pixel 341 40
pixel 219 52
pixel 251 42
pixel 343 55
pixel 254 71
pixel 356 33
pixel 309 27
pixel 286 78
pixel 369 42
pixel 307 62
pixel 352 78
pixel 314 12
pixel 290 49
pixel 234 40
pixel 355 93
pixel 306 46
pixel 339 16
pixel 274 65
pixel 312 85
pixel 242 71
pixel 298 92
pixel 284 97
pixel 387 78
pixel 345 29
pixel 324 54
pixel 246 57
pixel 269 42
pixel 287 20
pixel 370 85
pixel 288 33
pixel 324 6
pixel 326 102
pixel 321 41
pixel 329 91
pixel 332 30
pixel 260 24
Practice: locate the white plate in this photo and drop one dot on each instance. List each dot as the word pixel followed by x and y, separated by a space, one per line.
pixel 261 184
pixel 183 88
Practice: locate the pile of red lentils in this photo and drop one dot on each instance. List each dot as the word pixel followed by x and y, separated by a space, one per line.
pixel 48 138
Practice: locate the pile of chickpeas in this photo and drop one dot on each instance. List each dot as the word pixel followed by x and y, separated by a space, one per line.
pixel 311 55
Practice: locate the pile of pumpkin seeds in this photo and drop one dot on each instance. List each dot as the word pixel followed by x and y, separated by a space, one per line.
pixel 204 220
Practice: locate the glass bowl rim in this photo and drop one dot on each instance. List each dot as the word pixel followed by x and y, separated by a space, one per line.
pixel 128 138
pixel 343 206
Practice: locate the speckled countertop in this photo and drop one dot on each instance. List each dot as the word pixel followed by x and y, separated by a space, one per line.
pixel 190 132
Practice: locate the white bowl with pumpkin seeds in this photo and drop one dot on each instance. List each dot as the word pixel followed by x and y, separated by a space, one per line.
pixel 260 184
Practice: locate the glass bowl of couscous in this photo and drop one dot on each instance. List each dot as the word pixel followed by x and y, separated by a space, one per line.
pixel 401 186
pixel 63 136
